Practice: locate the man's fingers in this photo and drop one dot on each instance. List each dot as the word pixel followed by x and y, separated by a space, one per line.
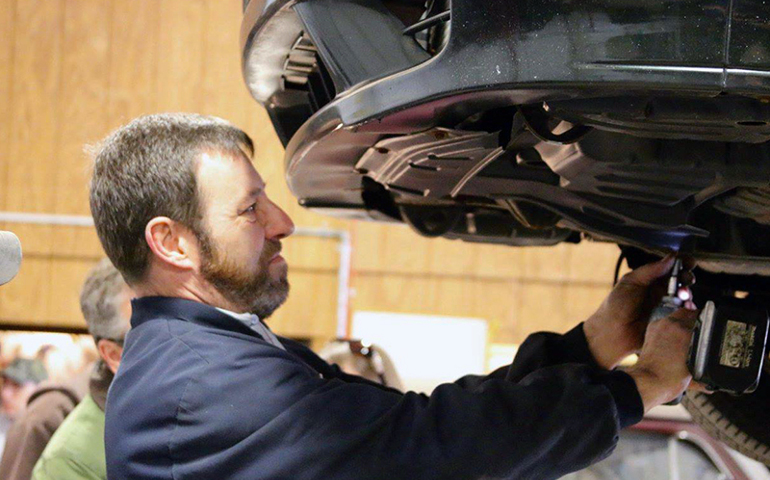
pixel 684 317
pixel 687 278
pixel 688 262
pixel 699 387
pixel 647 274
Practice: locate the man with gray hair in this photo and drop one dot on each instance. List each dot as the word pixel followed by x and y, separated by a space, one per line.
pixel 206 391
pixel 76 450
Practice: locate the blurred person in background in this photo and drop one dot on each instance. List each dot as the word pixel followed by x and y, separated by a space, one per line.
pixel 68 360
pixel 19 380
pixel 45 409
pixel 63 364
pixel 76 450
pixel 357 357
pixel 5 423
pixel 62 354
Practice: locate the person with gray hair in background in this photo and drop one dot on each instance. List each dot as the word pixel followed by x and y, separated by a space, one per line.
pixel 76 450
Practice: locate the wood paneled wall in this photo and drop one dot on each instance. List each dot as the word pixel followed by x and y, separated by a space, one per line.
pixel 73 70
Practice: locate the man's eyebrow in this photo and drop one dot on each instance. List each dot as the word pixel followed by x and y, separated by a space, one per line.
pixel 254 193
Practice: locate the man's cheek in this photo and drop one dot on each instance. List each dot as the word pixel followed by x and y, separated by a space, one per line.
pixel 256 241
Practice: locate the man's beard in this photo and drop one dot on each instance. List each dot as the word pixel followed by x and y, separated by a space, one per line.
pixel 252 291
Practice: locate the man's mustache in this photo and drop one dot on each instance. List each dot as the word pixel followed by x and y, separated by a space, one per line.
pixel 271 249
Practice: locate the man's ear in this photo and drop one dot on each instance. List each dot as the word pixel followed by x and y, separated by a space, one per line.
pixel 170 242
pixel 111 353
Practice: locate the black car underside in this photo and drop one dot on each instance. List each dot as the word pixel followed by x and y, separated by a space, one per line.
pixel 528 123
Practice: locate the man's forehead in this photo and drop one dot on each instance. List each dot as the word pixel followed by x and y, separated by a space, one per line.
pixel 228 174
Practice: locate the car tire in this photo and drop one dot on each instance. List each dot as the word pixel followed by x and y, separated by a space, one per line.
pixel 742 422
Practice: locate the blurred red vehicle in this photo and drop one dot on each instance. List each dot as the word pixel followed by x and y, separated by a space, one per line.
pixel 666 448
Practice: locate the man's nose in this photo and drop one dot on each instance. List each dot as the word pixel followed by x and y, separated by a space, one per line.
pixel 279 224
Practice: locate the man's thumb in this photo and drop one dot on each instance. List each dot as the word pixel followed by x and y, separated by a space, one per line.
pixel 647 274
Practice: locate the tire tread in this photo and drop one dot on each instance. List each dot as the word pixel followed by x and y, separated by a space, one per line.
pixel 719 425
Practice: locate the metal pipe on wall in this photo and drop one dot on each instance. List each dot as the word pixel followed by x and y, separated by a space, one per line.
pixel 342 236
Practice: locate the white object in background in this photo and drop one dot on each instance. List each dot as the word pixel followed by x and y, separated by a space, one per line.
pixel 10 256
pixel 426 350
pixel 500 355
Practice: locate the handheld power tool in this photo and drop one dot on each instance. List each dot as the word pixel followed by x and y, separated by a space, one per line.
pixel 728 345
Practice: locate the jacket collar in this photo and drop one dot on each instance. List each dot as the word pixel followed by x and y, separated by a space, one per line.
pixel 146 309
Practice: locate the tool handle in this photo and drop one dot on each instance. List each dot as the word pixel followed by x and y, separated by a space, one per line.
pixel 663 310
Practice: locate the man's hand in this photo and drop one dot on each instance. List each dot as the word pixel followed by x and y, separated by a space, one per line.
pixel 617 328
pixel 661 373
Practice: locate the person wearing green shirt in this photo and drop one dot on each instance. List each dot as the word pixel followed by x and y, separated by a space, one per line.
pixel 76 450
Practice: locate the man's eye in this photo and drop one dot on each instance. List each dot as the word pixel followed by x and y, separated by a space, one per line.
pixel 251 209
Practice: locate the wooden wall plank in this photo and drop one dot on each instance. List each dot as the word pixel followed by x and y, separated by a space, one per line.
pixel 86 246
pixel 390 248
pixel 393 293
pixel 83 99
pixel 433 295
pixel 34 125
pixel 133 72
pixel 38 29
pixel 498 261
pixel 582 301
pixel 223 92
pixel 28 296
pixel 68 275
pixel 83 119
pixel 7 26
pixel 453 296
pixel 550 263
pixel 541 308
pixel 180 62
pixel 593 261
pixel 310 311
pixel 312 253
pixel 497 302
pixel 451 257
pixel 82 113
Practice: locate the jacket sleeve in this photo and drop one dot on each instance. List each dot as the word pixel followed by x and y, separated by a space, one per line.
pixel 545 349
pixel 554 420
pixel 539 350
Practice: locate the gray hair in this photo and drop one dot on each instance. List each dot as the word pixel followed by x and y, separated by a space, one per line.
pixel 100 301
pixel 146 169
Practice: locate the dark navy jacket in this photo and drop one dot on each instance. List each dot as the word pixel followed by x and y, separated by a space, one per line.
pixel 199 396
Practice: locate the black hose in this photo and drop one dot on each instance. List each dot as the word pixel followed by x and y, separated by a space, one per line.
pixel 617 267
